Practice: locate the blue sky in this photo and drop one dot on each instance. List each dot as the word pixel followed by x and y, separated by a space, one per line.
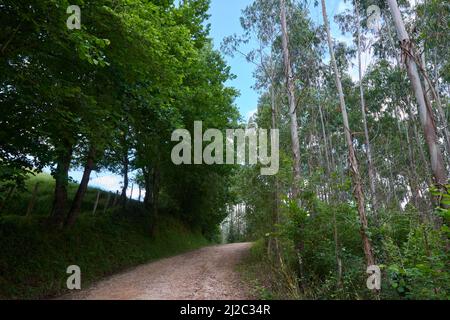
pixel 224 22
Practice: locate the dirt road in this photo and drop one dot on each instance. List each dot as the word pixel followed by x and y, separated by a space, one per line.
pixel 207 273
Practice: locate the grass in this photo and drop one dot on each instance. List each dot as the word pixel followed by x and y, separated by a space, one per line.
pixel 19 200
pixel 267 279
pixel 34 259
pixel 256 273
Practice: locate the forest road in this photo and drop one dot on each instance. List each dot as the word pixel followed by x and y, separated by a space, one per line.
pixel 204 274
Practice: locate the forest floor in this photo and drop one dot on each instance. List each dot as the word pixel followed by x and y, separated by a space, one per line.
pixel 208 273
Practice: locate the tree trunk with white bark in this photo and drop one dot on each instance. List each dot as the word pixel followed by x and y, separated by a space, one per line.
pixel 371 166
pixel 354 168
pixel 292 102
pixel 425 114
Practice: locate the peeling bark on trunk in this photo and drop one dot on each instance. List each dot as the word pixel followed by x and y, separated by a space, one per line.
pixel 432 94
pixel 358 192
pixel 426 116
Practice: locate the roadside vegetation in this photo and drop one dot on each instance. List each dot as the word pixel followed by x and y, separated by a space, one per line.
pixel 104 97
pixel 363 179
pixel 364 143
pixel 34 259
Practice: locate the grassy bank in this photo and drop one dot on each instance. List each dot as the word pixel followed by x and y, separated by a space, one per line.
pixel 33 261
pixel 34 258
pixel 19 200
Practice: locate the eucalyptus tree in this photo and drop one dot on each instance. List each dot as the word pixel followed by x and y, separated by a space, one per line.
pixel 260 22
pixel 290 87
pixel 372 175
pixel 431 34
pixel 354 167
pixel 426 116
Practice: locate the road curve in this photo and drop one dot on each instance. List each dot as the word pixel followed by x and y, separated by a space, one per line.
pixel 204 274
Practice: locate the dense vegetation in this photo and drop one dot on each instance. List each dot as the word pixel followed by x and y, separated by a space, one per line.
pixel 364 160
pixel 34 259
pixel 106 96
pixel 363 179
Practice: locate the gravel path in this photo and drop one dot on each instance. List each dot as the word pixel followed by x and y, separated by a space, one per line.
pixel 204 274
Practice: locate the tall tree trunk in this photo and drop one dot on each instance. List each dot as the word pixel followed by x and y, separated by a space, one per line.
pixel 432 94
pixel 325 139
pixel 391 40
pixel 371 166
pixel 392 182
pixel 156 184
pixel 77 201
pixel 426 116
pixel 423 158
pixel 358 192
pixel 61 176
pixel 332 158
pixel 274 126
pixel 125 165
pixel 154 179
pixel 295 144
pixel 337 251
pixel 148 188
pixel 412 167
